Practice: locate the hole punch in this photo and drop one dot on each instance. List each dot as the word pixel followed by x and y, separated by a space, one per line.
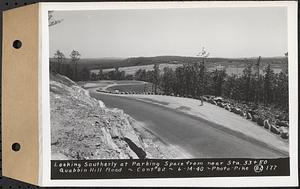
pixel 17 44
pixel 16 147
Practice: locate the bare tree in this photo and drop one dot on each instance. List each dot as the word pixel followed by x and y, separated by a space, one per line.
pixel 203 54
pixel 51 20
pixel 75 57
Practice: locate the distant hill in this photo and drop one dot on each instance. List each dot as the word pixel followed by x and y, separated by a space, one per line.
pixel 106 63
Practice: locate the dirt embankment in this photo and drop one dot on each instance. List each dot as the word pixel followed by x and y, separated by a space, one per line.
pixel 83 128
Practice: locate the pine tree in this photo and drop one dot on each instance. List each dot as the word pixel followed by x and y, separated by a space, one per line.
pixel 156 74
pixel 84 74
pixel 218 77
pixel 268 85
pixel 247 76
pixel 168 80
pixel 100 75
pixel 75 57
pixel 59 57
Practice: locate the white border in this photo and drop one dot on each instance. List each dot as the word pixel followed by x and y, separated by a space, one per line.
pixel 44 105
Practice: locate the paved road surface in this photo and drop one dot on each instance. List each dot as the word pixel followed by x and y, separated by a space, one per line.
pixel 196 136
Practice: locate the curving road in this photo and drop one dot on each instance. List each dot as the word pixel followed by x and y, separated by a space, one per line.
pixel 197 137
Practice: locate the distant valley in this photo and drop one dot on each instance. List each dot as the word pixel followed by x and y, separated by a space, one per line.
pixel 130 65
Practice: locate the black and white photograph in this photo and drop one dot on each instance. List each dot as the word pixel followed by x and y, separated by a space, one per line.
pixel 150 94
pixel 171 84
pixel 187 83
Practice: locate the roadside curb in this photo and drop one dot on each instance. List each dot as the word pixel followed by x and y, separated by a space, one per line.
pixel 214 124
pixel 228 130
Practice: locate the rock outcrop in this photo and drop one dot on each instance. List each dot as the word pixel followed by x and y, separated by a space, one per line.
pixel 83 128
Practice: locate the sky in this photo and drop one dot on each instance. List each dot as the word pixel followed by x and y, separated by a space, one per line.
pixel 224 32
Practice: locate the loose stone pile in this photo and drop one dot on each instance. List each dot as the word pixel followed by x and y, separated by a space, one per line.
pixel 276 122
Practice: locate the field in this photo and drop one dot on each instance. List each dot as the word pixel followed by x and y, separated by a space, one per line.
pixel 131 65
pixel 133 69
pixel 239 71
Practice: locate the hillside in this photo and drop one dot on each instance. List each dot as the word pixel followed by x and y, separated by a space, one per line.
pixel 106 63
pixel 83 128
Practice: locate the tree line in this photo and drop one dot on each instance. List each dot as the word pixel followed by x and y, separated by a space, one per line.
pixel 68 69
pixel 194 80
pixel 72 70
pixel 114 74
